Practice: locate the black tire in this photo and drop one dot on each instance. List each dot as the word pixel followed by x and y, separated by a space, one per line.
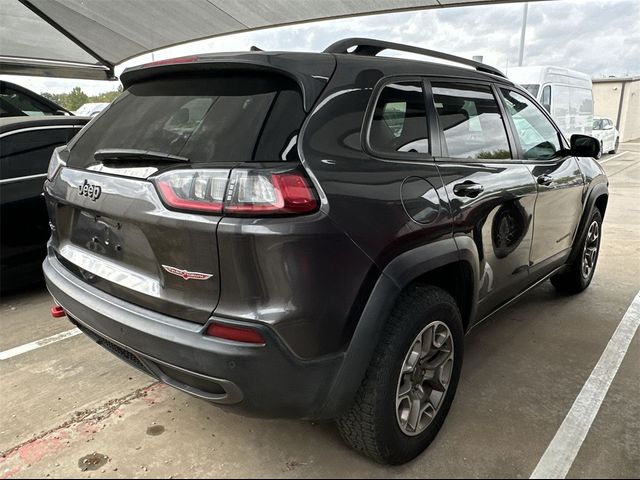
pixel 615 146
pixel 371 426
pixel 574 279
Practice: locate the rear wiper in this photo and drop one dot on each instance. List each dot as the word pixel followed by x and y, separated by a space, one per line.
pixel 132 154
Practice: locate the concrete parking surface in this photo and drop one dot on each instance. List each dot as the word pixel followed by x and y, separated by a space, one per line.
pixel 71 409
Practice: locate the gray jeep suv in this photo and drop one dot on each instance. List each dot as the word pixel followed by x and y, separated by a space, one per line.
pixel 311 235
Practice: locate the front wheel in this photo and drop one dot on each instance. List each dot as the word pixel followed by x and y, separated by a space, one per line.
pixel 580 273
pixel 411 381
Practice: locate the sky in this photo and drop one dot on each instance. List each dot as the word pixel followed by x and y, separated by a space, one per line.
pixel 598 37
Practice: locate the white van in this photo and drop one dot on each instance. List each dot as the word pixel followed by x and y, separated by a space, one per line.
pixel 566 94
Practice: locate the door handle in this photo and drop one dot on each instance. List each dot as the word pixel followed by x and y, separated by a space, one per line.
pixel 468 189
pixel 545 179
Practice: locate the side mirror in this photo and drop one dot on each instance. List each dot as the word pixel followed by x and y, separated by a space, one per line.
pixel 608 127
pixel 585 146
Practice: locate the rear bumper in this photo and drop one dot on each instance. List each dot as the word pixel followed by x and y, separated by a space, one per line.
pixel 263 380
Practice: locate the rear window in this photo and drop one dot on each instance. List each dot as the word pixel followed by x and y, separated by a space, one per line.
pixel 240 117
pixel 399 121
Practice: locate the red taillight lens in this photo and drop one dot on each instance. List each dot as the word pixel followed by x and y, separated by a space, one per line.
pixel 199 190
pixel 58 312
pixel 266 192
pixel 252 192
pixel 235 334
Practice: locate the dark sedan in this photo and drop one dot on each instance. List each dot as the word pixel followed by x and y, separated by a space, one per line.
pixel 26 144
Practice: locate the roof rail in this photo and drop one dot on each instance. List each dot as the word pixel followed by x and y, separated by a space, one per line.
pixel 371 47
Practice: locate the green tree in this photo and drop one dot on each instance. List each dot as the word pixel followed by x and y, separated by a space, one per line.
pixel 75 99
pixel 54 97
pixel 106 96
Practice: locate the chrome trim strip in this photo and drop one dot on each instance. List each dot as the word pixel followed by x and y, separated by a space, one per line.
pixel 50 63
pixel 21 179
pixel 42 127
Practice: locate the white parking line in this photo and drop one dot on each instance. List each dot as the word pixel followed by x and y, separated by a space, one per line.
pixel 27 347
pixel 611 158
pixel 562 451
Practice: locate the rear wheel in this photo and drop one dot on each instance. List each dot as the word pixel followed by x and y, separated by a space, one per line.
pixel 580 273
pixel 615 146
pixel 411 381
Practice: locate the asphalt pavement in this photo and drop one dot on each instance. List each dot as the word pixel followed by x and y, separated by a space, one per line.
pixel 68 408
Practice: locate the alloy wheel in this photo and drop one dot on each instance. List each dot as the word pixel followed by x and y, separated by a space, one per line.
pixel 590 253
pixel 424 378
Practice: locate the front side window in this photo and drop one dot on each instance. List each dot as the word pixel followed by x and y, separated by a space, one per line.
pixel 471 122
pixel 399 122
pixel 538 138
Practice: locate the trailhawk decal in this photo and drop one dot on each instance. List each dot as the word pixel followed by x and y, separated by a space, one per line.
pixel 186 275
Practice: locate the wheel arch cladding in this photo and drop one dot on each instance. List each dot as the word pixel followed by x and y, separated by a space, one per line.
pixel 439 263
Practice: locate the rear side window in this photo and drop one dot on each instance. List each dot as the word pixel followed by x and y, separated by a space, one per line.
pixel 239 117
pixel 471 122
pixel 28 153
pixel 399 122
pixel 15 102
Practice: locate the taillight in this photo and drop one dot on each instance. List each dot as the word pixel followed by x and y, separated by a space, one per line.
pixel 56 162
pixel 251 192
pixel 235 334
pixel 200 190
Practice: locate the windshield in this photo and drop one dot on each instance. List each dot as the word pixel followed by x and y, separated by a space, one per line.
pixel 207 119
pixel 598 124
pixel 532 88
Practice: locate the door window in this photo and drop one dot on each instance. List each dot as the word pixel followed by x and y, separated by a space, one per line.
pixel 471 122
pixel 399 122
pixel 28 153
pixel 538 138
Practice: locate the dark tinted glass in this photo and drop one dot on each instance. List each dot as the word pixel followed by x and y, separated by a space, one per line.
pixel 28 153
pixel 399 121
pixel 532 88
pixel 471 122
pixel 14 101
pixel 538 138
pixel 221 118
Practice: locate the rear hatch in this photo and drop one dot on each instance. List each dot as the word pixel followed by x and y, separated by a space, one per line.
pixel 112 226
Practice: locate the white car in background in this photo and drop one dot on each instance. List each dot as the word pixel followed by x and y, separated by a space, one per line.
pixel 90 109
pixel 566 94
pixel 605 131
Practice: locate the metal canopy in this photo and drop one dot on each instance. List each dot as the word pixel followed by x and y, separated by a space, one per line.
pixel 88 38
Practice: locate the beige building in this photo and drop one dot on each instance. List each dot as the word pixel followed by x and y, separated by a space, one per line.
pixel 619 100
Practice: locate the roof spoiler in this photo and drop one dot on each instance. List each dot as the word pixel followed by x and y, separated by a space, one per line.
pixel 311 81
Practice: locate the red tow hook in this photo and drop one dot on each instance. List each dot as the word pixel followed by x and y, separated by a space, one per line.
pixel 57 311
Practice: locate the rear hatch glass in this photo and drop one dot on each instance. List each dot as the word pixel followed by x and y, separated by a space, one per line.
pixel 123 240
pixel 222 118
